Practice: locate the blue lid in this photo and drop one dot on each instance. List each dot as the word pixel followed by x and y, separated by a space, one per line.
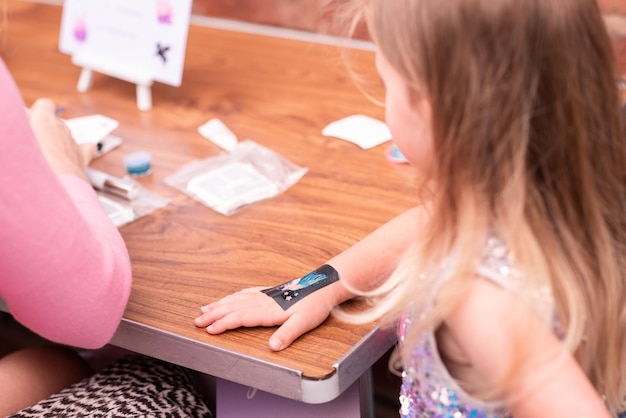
pixel 138 163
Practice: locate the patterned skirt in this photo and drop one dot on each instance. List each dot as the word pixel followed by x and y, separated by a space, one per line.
pixel 133 386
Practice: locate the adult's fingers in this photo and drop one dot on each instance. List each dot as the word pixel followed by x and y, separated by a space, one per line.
pixel 44 105
pixel 88 152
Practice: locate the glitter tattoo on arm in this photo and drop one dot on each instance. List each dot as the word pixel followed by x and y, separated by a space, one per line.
pixel 289 293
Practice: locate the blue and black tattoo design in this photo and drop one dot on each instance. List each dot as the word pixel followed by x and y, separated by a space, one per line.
pixel 289 293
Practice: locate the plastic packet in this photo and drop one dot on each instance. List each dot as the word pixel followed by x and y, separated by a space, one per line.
pixel 122 211
pixel 231 181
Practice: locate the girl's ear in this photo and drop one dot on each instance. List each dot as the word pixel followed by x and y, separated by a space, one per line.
pixel 419 103
pixel 418 100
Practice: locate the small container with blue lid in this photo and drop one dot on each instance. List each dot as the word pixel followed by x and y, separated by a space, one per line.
pixel 138 163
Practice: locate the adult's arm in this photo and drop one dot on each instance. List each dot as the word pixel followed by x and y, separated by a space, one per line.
pixel 64 269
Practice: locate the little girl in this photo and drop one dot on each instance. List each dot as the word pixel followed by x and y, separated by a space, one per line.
pixel 508 284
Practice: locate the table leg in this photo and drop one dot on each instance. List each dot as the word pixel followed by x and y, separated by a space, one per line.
pixel 366 394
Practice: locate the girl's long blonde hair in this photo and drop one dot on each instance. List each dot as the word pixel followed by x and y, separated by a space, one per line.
pixel 528 144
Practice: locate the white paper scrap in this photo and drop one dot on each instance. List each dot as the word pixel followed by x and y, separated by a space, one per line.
pixel 217 132
pixel 91 129
pixel 364 131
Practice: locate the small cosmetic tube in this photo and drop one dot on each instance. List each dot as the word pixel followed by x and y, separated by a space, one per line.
pixel 116 186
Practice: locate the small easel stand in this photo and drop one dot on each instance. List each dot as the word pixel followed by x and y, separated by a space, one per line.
pixel 90 63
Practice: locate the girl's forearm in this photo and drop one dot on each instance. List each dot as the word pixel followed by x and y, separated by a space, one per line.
pixel 370 261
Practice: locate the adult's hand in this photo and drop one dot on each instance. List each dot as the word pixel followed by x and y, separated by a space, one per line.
pixel 56 142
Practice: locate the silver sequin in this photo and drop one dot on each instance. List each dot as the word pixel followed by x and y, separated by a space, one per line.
pixel 428 390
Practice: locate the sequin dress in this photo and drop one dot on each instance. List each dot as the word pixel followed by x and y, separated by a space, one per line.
pixel 428 390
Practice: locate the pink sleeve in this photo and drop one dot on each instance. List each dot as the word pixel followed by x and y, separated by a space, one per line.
pixel 64 269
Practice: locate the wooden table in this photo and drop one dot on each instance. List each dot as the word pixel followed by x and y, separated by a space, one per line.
pixel 279 93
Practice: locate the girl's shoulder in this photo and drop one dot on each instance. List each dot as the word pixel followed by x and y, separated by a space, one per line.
pixel 497 264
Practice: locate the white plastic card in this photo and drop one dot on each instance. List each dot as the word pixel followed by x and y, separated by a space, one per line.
pixel 364 131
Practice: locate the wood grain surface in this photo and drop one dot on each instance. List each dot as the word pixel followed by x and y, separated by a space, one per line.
pixel 277 92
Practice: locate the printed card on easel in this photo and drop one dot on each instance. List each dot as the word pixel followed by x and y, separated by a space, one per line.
pixel 149 36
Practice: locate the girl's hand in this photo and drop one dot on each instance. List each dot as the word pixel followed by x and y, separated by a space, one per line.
pixel 250 308
pixel 56 142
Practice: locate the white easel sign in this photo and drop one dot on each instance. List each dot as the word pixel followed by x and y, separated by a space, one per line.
pixel 140 41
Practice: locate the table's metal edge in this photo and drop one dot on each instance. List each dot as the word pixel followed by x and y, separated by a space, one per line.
pixel 246 370
pixel 363 355
pixel 209 359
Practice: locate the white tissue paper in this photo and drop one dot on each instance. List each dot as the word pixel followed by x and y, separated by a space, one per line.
pixel 364 131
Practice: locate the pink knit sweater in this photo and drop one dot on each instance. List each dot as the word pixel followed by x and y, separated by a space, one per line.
pixel 64 269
